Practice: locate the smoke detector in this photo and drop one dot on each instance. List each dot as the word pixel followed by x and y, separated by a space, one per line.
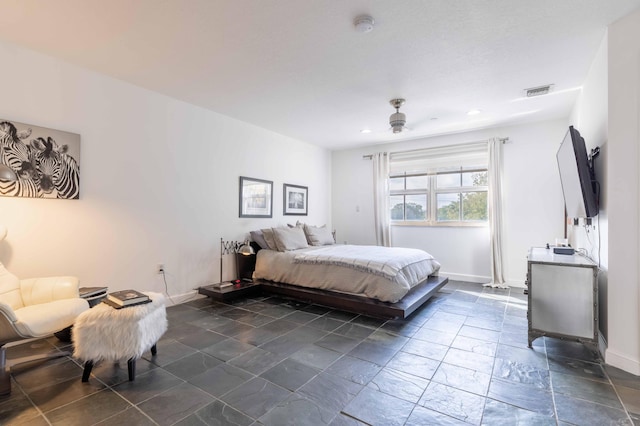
pixel 363 23
pixel 397 120
pixel 538 91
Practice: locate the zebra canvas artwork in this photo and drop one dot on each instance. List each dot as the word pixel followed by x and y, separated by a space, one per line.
pixel 45 162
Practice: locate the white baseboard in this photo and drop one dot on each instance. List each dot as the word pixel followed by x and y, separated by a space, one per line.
pixel 463 277
pixel 176 299
pixel 480 279
pixel 622 362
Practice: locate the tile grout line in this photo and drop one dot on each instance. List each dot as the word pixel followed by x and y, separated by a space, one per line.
pixel 618 395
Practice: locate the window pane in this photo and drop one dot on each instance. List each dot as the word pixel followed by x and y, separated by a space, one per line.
pixel 396 202
pixel 474 179
pixel 396 183
pixel 417 182
pixel 448 180
pixel 416 207
pixel 448 207
pixel 474 206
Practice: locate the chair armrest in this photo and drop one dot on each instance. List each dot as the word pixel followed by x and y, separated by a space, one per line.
pixel 43 290
pixel 8 332
pixel 7 312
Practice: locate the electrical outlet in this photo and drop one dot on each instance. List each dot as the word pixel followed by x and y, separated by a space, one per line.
pixel 160 268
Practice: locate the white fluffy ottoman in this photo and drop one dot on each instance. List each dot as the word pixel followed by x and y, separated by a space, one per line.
pixel 107 334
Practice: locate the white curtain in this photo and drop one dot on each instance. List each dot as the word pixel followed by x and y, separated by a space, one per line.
pixel 381 198
pixel 495 213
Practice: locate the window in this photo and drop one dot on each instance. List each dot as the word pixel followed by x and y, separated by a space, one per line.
pixel 409 197
pixel 454 197
pixel 462 196
pixel 441 185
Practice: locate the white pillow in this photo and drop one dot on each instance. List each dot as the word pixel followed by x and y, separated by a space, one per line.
pixel 289 238
pixel 318 235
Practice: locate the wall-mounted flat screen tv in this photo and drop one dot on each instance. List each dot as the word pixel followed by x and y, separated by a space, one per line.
pixel 577 176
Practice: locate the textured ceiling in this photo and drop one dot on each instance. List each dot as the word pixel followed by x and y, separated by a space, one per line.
pixel 298 67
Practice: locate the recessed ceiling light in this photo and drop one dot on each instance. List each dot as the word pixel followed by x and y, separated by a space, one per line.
pixel 365 131
pixel 474 112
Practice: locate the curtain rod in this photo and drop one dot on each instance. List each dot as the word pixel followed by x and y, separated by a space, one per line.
pixel 370 156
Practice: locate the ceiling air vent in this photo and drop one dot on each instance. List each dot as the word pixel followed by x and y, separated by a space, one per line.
pixel 538 91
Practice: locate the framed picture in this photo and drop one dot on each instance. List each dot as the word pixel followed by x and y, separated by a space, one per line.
pixel 39 162
pixel 295 200
pixel 256 197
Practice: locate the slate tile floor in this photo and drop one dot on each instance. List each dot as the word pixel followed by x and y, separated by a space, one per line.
pixel 461 359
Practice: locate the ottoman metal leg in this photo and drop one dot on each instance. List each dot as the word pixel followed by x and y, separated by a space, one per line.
pixel 131 366
pixel 88 366
pixel 154 350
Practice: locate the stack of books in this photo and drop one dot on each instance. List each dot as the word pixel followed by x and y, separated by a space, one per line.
pixel 124 298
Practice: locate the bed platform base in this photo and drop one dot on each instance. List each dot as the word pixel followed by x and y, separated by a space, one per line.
pixel 416 297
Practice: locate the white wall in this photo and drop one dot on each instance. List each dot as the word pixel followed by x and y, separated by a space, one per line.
pixel 159 180
pixel 534 212
pixel 622 190
pixel 590 116
pixel 450 245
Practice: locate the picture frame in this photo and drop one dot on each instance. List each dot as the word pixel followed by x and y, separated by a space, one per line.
pixel 295 200
pixel 256 197
pixel 34 156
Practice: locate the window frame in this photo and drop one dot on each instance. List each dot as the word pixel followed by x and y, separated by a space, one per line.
pixel 432 192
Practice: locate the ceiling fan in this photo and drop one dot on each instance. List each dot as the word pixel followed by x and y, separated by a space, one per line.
pixel 397 120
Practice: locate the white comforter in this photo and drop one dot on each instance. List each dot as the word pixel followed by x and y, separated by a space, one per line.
pixel 383 273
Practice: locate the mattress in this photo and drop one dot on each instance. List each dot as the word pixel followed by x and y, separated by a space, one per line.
pixel 362 272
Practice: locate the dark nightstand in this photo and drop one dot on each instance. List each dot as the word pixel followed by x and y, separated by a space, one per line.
pixel 226 292
pixel 242 287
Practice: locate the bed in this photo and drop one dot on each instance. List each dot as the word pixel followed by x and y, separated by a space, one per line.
pixel 304 263
pixel 382 273
pixel 389 282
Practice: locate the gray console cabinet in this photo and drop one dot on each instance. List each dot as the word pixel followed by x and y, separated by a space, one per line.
pixel 563 297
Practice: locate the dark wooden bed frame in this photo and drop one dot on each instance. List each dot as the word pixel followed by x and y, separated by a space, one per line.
pixel 415 298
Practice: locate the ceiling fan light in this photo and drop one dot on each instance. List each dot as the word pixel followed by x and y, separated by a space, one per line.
pixel 397 120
